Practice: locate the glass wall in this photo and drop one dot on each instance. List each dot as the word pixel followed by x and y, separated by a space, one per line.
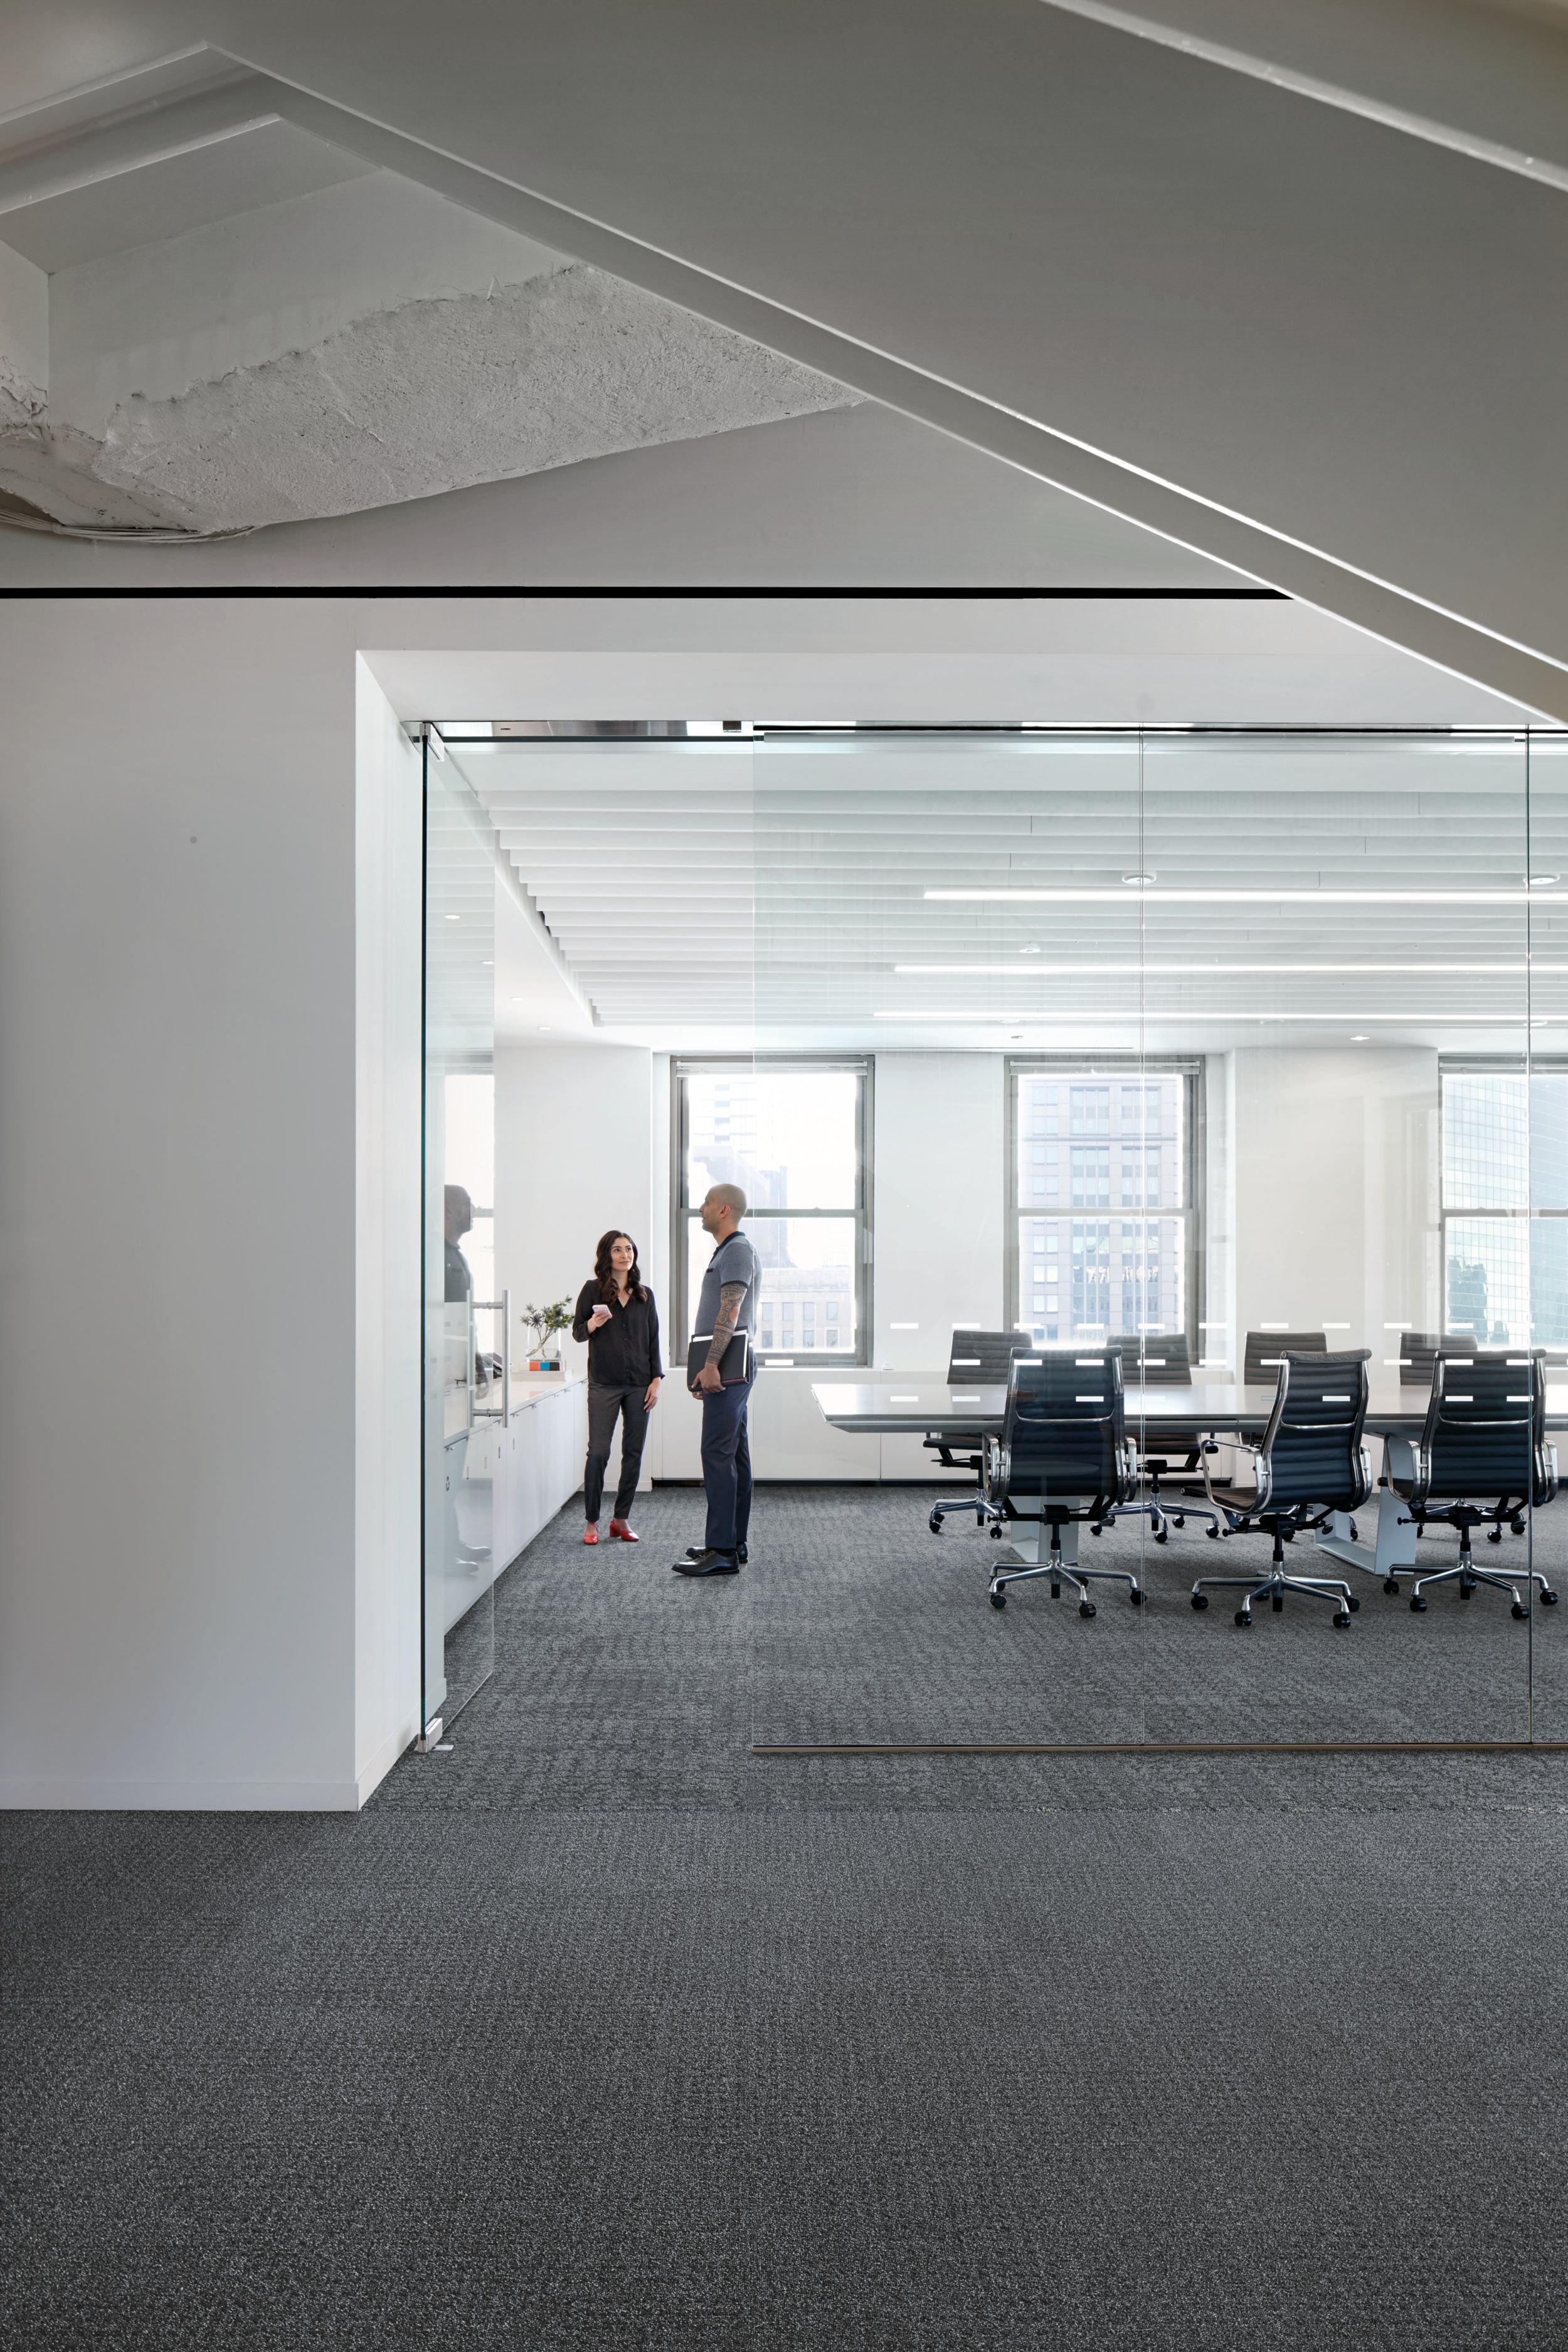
pixel 1197 1046
pixel 1159 1057
pixel 465 1334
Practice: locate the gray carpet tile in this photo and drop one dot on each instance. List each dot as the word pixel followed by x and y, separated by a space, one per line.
pixel 602 2032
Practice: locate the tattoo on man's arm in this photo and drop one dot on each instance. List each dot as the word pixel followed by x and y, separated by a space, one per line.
pixel 729 1297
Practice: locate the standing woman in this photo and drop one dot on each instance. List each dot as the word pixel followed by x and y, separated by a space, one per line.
pixel 618 1316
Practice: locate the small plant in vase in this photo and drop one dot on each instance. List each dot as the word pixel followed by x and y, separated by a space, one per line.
pixel 544 1323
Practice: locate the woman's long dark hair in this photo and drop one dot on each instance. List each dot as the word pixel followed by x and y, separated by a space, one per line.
pixel 604 1273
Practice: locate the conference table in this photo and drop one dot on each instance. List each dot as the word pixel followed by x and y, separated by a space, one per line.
pixel 1160 1420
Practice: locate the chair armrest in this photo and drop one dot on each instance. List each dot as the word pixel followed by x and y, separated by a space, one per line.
pixel 1245 1458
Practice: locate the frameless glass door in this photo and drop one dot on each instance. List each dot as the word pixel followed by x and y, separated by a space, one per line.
pixel 465 1368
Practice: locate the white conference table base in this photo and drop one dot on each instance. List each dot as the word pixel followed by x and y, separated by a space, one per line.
pixel 927 1405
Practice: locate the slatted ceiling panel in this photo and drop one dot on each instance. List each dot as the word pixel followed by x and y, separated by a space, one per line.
pixel 785 881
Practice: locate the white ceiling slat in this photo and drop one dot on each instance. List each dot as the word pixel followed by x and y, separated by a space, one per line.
pixel 791 881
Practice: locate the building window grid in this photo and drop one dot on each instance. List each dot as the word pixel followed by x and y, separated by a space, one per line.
pixel 842 1339
pixel 1126 1272
pixel 1503 1156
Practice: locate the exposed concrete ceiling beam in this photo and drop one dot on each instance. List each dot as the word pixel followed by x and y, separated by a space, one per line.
pixel 153 134
pixel 1485 81
pixel 1376 606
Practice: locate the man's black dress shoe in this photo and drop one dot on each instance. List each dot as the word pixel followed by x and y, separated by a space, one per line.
pixel 708 1563
pixel 693 1552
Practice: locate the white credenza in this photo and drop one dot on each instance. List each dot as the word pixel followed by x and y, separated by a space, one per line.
pixel 533 1461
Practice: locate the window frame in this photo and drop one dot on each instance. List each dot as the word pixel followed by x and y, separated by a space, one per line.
pixel 1525 1066
pixel 1116 1069
pixel 864 1068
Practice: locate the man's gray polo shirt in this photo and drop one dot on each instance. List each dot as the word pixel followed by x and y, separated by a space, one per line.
pixel 733 1261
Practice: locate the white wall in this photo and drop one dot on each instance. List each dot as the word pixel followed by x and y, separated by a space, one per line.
pixel 574 1156
pixel 1336 1189
pixel 184 1322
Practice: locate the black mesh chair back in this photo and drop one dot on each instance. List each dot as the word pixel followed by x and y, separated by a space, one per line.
pixel 1485 1428
pixel 1156 1360
pixel 1266 1351
pixel 1065 1432
pixel 1312 1450
pixel 1419 1352
pixel 984 1356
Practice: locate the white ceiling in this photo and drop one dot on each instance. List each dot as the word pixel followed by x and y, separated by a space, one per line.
pixel 164 199
pixel 1267 299
pixel 773 887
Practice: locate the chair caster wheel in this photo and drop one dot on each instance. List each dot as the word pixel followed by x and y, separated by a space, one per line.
pixel 1418 1605
pixel 1179 1519
pixel 999 1600
pixel 1550 1598
pixel 1494 1535
pixel 1390 1586
pixel 1161 1536
pixel 1519 1610
pixel 1085 1608
pixel 934 1523
pixel 1200 1600
pixel 995 1534
pixel 1212 1534
pixel 1276 1602
pixel 1342 1616
pixel 1244 1617
pixel 1355 1532
pixel 1056 1593
pixel 1095 1529
pixel 1136 1597
pixel 1518 1526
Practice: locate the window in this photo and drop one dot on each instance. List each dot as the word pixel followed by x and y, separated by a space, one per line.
pixel 1121 1253
pixel 1505 1202
pixel 796 1137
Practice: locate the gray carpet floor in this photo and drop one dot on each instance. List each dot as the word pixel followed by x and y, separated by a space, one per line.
pixel 601 2032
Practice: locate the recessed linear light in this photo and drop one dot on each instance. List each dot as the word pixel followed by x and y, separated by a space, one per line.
pixel 1096 897
pixel 1219 970
pixel 981 1017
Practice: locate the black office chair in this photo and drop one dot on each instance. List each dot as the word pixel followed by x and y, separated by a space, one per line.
pixel 1162 1360
pixel 986 1358
pixel 1419 1352
pixel 1311 1463
pixel 1063 1444
pixel 1266 1351
pixel 1485 1434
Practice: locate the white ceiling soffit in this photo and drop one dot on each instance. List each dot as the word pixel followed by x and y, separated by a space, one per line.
pixel 236 337
pixel 1489 80
pixel 1254 252
pixel 785 884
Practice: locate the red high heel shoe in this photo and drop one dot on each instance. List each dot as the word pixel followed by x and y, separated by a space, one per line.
pixel 591 1535
pixel 623 1533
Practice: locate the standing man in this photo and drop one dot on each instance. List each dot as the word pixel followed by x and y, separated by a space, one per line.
pixel 729 1294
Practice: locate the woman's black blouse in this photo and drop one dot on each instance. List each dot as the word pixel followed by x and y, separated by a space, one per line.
pixel 624 1352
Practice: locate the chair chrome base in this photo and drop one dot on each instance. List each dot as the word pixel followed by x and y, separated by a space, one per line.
pixel 940 1511
pixel 1056 1568
pixel 1274 1587
pixel 1469 1576
pixel 1162 1518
